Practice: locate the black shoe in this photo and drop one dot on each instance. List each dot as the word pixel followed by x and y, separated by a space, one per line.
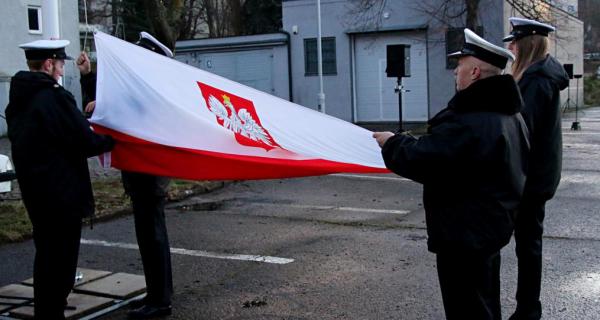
pixel 519 315
pixel 136 304
pixel 148 312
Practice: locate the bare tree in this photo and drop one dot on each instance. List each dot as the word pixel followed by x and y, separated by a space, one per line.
pixel 365 14
pixel 172 20
pixel 193 23
pixel 262 16
pixel 541 10
pixel 166 18
pixel 452 13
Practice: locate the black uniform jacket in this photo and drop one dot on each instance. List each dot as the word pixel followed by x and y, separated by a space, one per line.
pixel 472 166
pixel 136 184
pixel 540 86
pixel 51 142
pixel 88 88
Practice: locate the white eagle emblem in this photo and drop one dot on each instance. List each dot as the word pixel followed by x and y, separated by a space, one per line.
pixel 240 122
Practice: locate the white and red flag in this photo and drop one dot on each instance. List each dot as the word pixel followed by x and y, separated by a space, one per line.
pixel 171 119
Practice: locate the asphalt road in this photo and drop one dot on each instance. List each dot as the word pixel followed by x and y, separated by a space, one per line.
pixel 343 247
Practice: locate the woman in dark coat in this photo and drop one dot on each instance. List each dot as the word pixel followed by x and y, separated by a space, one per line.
pixel 541 78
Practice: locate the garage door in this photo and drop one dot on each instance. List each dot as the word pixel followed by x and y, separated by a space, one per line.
pixel 253 68
pixel 375 97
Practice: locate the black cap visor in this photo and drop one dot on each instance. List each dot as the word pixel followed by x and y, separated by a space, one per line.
pixel 519 32
pixel 43 54
pixel 147 44
pixel 481 54
pixel 508 38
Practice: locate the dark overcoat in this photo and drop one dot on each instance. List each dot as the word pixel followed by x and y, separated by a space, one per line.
pixel 540 86
pixel 472 165
pixel 51 142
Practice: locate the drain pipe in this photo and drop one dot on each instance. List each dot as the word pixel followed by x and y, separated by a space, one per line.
pixel 289 58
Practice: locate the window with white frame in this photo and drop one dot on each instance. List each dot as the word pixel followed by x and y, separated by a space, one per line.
pixel 34 18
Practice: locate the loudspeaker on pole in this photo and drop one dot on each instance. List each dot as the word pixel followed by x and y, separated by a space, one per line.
pixel 398 61
pixel 569 69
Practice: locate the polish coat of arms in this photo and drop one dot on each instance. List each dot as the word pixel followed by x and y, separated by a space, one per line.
pixel 239 116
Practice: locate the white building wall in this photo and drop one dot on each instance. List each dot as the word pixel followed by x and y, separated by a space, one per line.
pixel 337 88
pixel 300 15
pixel 14 30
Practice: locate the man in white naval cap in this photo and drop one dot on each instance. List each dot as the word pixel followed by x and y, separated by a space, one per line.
pixel 51 141
pixel 472 166
pixel 148 197
pixel 540 78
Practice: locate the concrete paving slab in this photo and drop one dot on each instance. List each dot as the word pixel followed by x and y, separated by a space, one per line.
pixel 84 305
pixel 118 285
pixel 14 294
pixel 88 276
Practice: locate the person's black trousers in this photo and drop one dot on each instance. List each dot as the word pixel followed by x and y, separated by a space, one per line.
pixel 148 199
pixel 529 227
pixel 56 238
pixel 470 285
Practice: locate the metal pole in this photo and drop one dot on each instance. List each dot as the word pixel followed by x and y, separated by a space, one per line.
pixel 576 126
pixel 400 127
pixel 321 95
pixel 577 100
pixel 50 21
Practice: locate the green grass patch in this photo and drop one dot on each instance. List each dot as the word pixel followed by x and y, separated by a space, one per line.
pixel 181 189
pixel 109 196
pixel 110 199
pixel 14 223
pixel 592 91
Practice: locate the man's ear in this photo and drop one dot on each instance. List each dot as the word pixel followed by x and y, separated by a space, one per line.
pixel 47 65
pixel 475 73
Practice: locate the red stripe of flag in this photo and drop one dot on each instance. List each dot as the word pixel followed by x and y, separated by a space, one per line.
pixel 134 154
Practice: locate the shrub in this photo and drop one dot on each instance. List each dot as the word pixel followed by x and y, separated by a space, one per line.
pixel 592 91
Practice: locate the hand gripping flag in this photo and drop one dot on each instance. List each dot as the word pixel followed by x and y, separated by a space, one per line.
pixel 171 119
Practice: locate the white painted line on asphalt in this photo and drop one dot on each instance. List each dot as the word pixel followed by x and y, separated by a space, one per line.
pixel 586 178
pixel 352 209
pixel 195 253
pixel 581 145
pixel 366 177
pixel 573 133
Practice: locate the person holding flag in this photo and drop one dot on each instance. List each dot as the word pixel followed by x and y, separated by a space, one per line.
pixel 472 165
pixel 51 142
pixel 148 195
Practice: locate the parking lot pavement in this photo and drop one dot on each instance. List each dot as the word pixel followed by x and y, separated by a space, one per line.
pixel 343 247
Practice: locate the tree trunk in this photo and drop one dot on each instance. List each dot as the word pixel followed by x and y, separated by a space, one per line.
pixel 235 7
pixel 210 18
pixel 114 17
pixel 472 11
pixel 165 21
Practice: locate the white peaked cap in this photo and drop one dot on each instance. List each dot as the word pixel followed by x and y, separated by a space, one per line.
pixel 45 44
pixel 149 42
pixel 45 49
pixel 483 50
pixel 522 27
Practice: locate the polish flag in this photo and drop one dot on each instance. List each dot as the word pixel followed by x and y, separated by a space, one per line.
pixel 171 119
